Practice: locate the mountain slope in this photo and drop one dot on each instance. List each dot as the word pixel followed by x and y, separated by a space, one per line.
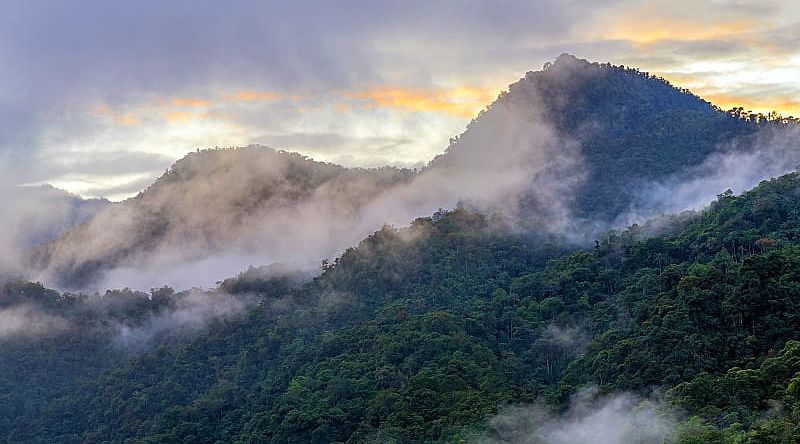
pixel 422 334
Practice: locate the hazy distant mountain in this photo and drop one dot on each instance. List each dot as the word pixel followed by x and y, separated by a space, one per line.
pixel 218 200
pixel 33 215
pixel 577 144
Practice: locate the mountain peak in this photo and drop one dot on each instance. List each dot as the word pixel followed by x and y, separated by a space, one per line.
pixel 632 127
pixel 565 60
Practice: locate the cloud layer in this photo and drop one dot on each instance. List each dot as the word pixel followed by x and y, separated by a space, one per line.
pixel 155 81
pixel 32 215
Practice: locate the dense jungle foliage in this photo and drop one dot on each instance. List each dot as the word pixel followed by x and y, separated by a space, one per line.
pixel 421 334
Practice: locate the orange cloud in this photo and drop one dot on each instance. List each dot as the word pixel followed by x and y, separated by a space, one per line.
pixel 684 79
pixel 687 31
pixel 103 110
pixel 787 106
pixel 465 101
pixel 249 96
pixel 648 22
pixel 191 103
pixel 127 119
pixel 182 116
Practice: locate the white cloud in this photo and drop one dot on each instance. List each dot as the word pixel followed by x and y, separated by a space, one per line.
pixel 616 419
pixel 26 321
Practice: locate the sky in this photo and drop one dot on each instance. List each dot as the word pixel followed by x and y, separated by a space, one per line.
pixel 100 97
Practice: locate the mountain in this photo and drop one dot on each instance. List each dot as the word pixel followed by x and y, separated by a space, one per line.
pixel 460 329
pixel 575 148
pixel 631 128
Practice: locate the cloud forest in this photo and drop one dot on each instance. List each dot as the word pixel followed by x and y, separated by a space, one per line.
pixel 406 223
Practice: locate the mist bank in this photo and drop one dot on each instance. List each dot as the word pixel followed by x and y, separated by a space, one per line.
pixel 27 321
pixel 218 211
pixel 620 418
pixel 127 320
pixel 32 215
pixel 737 167
pixel 183 315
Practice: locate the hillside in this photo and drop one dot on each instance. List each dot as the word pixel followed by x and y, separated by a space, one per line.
pixel 424 334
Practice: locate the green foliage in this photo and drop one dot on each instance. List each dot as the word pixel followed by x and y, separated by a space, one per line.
pixel 421 334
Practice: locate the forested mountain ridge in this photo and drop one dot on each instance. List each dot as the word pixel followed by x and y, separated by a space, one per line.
pixel 422 334
pixel 567 149
pixel 632 127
